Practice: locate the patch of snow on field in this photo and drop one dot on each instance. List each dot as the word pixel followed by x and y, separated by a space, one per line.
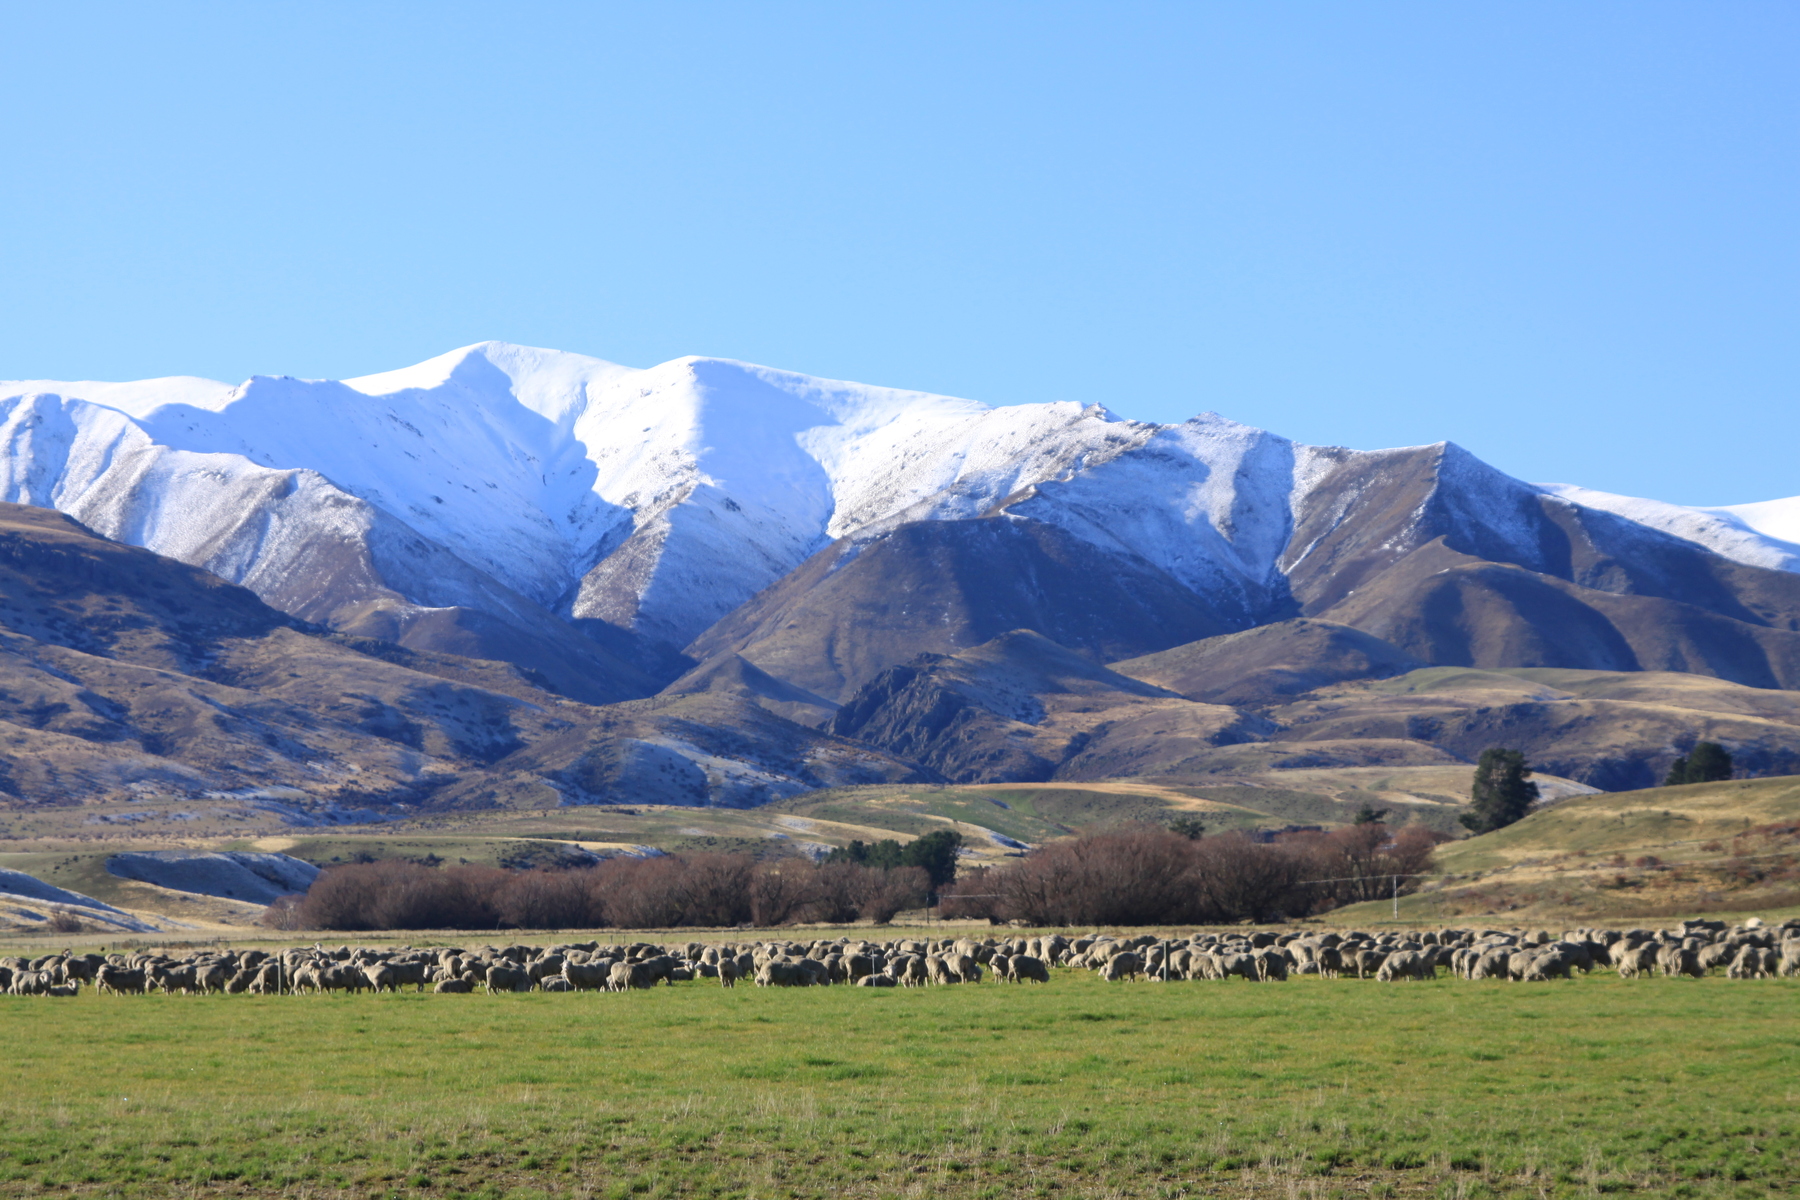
pixel 19 884
pixel 253 878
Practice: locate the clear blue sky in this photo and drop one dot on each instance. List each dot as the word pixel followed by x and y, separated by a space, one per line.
pixel 1563 235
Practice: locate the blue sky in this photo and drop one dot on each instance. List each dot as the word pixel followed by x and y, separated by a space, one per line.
pixel 1562 235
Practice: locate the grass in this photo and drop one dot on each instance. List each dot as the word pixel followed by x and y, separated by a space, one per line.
pixel 1652 819
pixel 1725 848
pixel 1313 1088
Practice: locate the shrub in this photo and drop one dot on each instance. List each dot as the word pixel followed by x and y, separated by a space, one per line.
pixel 664 892
pixel 1149 876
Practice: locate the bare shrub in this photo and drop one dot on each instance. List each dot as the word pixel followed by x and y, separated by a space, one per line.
pixel 1362 862
pixel 637 893
pixel 839 892
pixel 716 889
pixel 1239 879
pixel 663 892
pixel 781 890
pixel 971 897
pixel 541 899
pixel 392 894
pixel 1151 876
pixel 1135 876
pixel 284 913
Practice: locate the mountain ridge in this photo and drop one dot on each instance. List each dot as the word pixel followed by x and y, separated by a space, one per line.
pixel 734 570
pixel 657 500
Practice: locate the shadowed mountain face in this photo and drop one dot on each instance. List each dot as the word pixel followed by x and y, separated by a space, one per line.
pixel 852 611
pixel 1269 664
pixel 125 674
pixel 1020 708
pixel 1455 563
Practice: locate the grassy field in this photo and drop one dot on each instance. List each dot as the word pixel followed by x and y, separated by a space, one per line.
pixel 1313 1088
pixel 1621 857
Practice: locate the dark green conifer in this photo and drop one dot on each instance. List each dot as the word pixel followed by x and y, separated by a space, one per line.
pixel 1503 792
pixel 1707 762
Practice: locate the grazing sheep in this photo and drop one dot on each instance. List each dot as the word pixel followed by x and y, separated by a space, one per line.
pixel 1122 965
pixel 626 975
pixel 778 973
pixel 1243 966
pixel 584 977
pixel 500 978
pixel 119 980
pixel 1022 967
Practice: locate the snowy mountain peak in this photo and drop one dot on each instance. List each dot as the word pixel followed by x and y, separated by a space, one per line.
pixel 661 498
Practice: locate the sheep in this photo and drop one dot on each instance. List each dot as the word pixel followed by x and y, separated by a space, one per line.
pixel 625 975
pixel 778 973
pixel 1122 965
pixel 507 979
pixel 119 980
pixel 1022 967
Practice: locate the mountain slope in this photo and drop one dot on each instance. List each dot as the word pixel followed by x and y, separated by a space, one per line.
pixel 1270 663
pixel 586 521
pixel 854 610
pixel 127 675
pixel 1609 729
pixel 1021 707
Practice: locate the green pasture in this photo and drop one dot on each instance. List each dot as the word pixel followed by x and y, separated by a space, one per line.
pixel 1307 1089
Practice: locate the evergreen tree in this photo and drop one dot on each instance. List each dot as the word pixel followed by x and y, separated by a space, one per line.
pixel 1503 792
pixel 1368 814
pixel 1191 828
pixel 936 852
pixel 885 853
pixel 1708 762
pixel 1678 772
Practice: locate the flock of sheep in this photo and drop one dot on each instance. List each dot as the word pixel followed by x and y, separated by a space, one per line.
pixel 1747 951
pixel 1696 948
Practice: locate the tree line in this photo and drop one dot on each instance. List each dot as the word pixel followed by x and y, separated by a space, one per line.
pixel 1146 875
pixel 663 892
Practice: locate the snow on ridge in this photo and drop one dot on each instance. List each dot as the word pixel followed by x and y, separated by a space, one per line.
pixel 661 498
pixel 134 399
pixel 1777 519
pixel 1748 533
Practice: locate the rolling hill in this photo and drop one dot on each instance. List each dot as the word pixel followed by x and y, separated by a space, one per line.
pixel 1649 855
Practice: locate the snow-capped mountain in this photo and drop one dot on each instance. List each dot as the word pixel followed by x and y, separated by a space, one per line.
pixel 522 483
